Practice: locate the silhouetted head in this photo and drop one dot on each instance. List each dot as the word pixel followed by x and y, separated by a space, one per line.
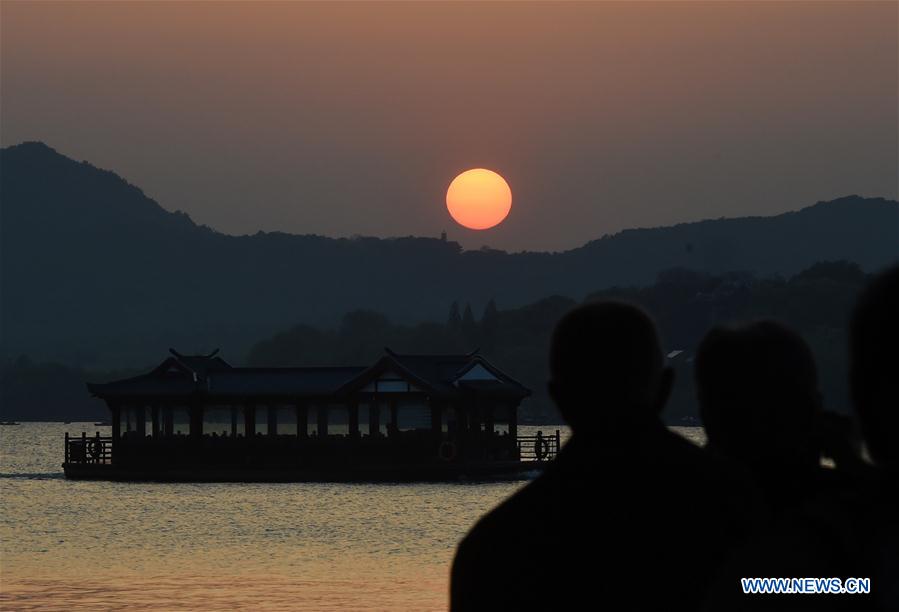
pixel 874 367
pixel 758 394
pixel 606 366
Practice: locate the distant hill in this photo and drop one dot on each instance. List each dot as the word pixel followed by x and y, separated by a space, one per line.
pixel 93 272
pixel 686 304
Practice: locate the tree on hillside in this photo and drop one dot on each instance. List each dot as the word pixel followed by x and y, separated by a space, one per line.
pixel 454 320
pixel 469 326
pixel 299 345
pixel 488 326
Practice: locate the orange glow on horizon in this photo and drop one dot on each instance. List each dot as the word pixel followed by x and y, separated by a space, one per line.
pixel 479 199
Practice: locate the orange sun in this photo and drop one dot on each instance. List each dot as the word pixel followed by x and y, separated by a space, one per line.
pixel 479 199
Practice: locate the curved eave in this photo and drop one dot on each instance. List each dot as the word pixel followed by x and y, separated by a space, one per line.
pixel 384 363
pixel 502 376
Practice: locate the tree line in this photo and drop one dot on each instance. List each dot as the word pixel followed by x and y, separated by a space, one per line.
pixel 685 304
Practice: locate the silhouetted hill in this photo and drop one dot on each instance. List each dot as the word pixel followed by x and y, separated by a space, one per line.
pixel 93 272
pixel 686 304
pixel 816 303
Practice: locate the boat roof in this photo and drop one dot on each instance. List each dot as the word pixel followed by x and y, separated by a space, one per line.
pixel 442 375
pixel 445 376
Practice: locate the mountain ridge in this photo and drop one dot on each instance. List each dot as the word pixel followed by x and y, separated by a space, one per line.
pixel 94 272
pixel 39 146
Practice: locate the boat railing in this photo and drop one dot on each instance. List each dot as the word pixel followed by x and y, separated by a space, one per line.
pixel 539 447
pixel 97 449
pixel 89 449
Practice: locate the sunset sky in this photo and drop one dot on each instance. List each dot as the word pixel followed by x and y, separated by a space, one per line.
pixel 353 118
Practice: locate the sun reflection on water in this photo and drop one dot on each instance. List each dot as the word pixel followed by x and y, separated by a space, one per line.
pixel 100 545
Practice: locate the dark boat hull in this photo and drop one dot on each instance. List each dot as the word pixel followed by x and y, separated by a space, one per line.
pixel 444 472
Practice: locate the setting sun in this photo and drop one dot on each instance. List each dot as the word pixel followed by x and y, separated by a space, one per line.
pixel 479 199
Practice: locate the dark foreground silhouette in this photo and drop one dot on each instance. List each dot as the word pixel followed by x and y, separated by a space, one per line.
pixel 757 388
pixel 851 530
pixel 631 516
pixel 629 513
pixel 874 380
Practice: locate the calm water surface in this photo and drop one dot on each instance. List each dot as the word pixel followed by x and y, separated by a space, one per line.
pixel 69 545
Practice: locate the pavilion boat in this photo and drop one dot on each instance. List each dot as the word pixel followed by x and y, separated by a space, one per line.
pixel 405 418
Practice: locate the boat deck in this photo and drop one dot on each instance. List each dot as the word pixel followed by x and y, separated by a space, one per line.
pixel 288 459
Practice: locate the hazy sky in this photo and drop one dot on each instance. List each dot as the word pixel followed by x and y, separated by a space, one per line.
pixel 349 118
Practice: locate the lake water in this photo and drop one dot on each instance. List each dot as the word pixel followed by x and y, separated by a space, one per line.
pixel 69 545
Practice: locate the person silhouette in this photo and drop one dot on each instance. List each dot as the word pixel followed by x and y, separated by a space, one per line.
pixel 757 388
pixel 847 531
pixel 629 514
pixel 539 450
pixel 874 369
pixel 874 388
